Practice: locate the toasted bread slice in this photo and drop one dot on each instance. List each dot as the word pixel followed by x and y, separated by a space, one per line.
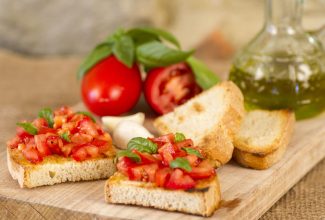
pixel 203 200
pixel 212 118
pixel 263 138
pixel 56 169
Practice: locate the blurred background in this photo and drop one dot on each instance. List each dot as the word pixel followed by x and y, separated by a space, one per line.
pixel 57 27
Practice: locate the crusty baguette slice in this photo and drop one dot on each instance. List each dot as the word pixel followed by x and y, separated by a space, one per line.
pixel 264 131
pixel 212 118
pixel 55 169
pixel 263 138
pixel 203 200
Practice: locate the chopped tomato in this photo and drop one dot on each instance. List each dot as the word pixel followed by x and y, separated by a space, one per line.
pixel 32 155
pixel 92 151
pixel 162 176
pixel 146 158
pixel 204 170
pixel 79 154
pixel 55 143
pixel 13 143
pixel 80 138
pixel 160 141
pixel 40 122
pixel 185 143
pixel 41 145
pixel 124 164
pixel 193 160
pixel 22 134
pixel 179 180
pixel 67 148
pixel 63 111
pixel 88 127
pixel 144 173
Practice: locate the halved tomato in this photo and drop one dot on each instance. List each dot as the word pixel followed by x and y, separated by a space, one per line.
pixel 204 170
pixel 162 176
pixel 179 180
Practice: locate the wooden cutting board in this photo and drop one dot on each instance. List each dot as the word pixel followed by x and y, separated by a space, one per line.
pixel 246 193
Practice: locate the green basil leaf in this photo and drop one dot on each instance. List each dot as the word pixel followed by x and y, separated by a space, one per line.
pixel 100 52
pixel 123 49
pixel 154 54
pixel 179 137
pixel 143 145
pixel 28 127
pixel 88 114
pixel 111 39
pixel 205 77
pixel 47 114
pixel 192 151
pixel 129 154
pixel 182 163
pixel 65 136
pixel 140 37
pixel 158 33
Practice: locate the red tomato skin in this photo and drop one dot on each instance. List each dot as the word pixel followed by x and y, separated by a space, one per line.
pixel 167 87
pixel 179 180
pixel 111 88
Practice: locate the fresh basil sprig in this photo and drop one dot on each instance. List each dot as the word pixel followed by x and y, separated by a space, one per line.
pixel 143 145
pixel 47 114
pixel 205 77
pixel 129 154
pixel 156 54
pixel 88 114
pixel 153 34
pixel 28 127
pixel 123 49
pixel 193 151
pixel 182 163
pixel 65 136
pixel 179 137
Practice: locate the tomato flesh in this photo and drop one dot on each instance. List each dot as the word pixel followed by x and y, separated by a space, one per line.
pixel 179 180
pixel 111 88
pixel 168 87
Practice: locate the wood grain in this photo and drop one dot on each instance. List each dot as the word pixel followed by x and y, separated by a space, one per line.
pixel 246 193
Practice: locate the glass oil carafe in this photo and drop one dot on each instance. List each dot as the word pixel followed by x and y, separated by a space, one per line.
pixel 283 66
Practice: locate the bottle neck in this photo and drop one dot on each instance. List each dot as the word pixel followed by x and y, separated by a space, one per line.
pixel 283 15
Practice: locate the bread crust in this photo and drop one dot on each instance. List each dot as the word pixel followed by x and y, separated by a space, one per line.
pixel 264 159
pixel 55 169
pixel 288 121
pixel 207 196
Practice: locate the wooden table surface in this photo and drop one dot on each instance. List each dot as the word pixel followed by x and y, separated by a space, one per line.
pixel 28 84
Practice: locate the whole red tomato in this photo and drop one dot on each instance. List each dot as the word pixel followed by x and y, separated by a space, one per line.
pixel 168 87
pixel 111 88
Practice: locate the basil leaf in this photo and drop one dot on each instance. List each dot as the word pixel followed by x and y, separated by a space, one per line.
pixel 88 114
pixel 182 163
pixel 65 136
pixel 143 145
pixel 192 151
pixel 100 52
pixel 205 77
pixel 123 49
pixel 28 127
pixel 179 137
pixel 140 37
pixel 158 33
pixel 47 114
pixel 129 154
pixel 154 54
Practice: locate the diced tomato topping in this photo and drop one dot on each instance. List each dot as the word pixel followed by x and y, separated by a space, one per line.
pixel 72 135
pixel 179 180
pixel 162 176
pixel 32 155
pixel 146 158
pixel 156 167
pixel 204 170
pixel 41 145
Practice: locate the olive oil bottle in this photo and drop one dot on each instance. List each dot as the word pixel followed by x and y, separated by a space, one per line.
pixel 283 66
